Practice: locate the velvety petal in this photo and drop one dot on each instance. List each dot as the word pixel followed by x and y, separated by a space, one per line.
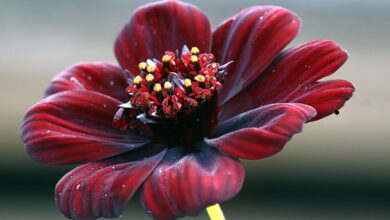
pixel 326 97
pixel 105 78
pixel 75 126
pixel 185 183
pixel 260 132
pixel 103 188
pixel 251 39
pixel 158 27
pixel 289 76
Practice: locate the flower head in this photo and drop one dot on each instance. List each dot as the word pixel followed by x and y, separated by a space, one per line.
pixel 184 105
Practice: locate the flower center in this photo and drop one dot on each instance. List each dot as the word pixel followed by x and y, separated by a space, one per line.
pixel 169 89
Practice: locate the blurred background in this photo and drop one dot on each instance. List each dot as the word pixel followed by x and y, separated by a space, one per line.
pixel 338 168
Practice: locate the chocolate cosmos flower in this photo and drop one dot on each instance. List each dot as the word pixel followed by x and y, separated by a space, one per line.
pixel 184 105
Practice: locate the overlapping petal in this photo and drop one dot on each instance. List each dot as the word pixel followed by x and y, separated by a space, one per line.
pixel 291 75
pixel 251 39
pixel 158 27
pixel 105 78
pixel 103 188
pixel 184 183
pixel 74 127
pixel 260 132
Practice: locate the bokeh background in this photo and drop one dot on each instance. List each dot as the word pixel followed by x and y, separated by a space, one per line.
pixel 338 168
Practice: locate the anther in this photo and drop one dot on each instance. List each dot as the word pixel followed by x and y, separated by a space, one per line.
pixel 149 79
pixel 166 59
pixel 151 69
pixel 159 94
pixel 195 61
pixel 194 51
pixel 200 79
pixel 142 66
pixel 168 87
pixel 188 85
pixel 138 81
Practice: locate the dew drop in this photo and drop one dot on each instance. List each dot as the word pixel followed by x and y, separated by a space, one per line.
pixel 113 167
pixel 105 194
pixel 89 77
pixel 78 187
pixel 273 70
pixel 261 17
pixel 123 186
pixel 112 83
pixel 104 105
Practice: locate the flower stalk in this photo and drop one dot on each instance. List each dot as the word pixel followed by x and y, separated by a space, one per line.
pixel 215 212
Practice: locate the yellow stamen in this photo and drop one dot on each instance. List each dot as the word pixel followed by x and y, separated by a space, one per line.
pixel 157 87
pixel 187 83
pixel 149 77
pixel 166 58
pixel 194 58
pixel 151 69
pixel 142 65
pixel 137 80
pixel 194 50
pixel 200 78
pixel 167 85
pixel 215 212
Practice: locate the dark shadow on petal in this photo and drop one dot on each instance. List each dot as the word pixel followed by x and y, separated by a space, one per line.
pixel 186 182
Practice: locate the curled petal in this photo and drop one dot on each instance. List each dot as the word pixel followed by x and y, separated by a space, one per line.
pixel 74 127
pixel 290 75
pixel 326 97
pixel 261 132
pixel 251 39
pixel 104 78
pixel 184 184
pixel 103 188
pixel 158 27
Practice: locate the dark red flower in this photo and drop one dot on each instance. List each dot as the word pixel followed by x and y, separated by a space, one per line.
pixel 176 126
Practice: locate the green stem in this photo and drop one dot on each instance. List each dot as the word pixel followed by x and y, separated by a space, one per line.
pixel 215 212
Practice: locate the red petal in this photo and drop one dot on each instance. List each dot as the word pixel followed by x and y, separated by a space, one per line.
pixel 183 184
pixel 105 78
pixel 289 76
pixel 260 132
pixel 103 188
pixel 158 27
pixel 73 127
pixel 326 97
pixel 251 39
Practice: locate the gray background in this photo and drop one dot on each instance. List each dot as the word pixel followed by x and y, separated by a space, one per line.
pixel 338 168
